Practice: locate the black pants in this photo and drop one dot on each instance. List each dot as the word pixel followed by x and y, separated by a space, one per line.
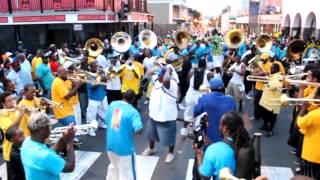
pixel 310 169
pixel 248 84
pixel 269 118
pixel 256 106
pixel 113 95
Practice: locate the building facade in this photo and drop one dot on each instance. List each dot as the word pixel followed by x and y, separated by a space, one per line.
pixel 168 14
pixel 38 23
pixel 260 16
pixel 301 18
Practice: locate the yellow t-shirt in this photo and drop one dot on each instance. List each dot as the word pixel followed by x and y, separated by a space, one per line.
pixel 140 66
pixel 34 63
pixel 23 123
pixel 266 69
pixel 129 81
pixel 309 126
pixel 59 90
pixel 74 99
pixel 309 93
pixel 5 122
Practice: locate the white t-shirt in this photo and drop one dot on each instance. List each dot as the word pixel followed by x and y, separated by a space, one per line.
pixel 102 61
pixel 162 106
pixel 236 77
pixel 148 63
pixel 115 83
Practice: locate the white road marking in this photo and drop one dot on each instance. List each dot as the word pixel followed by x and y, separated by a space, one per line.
pixel 3 171
pixel 189 170
pixel 146 166
pixel 272 172
pixel 84 161
pixel 277 173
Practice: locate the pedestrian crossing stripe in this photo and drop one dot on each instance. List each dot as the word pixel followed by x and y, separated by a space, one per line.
pixel 3 171
pixel 84 161
pixel 146 166
pixel 271 172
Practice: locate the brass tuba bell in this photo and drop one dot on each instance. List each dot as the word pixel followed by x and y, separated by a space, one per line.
pixel 95 47
pixel 182 39
pixel 264 43
pixel 147 39
pixel 295 49
pixel 234 38
pixel 121 42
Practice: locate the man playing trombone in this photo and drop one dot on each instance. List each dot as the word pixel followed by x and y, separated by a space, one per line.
pixel 262 71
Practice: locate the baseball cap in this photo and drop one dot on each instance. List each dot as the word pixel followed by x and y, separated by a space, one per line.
pixel 216 83
pixel 8 54
pixel 13 60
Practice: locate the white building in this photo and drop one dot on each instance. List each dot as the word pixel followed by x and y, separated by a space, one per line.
pixel 301 18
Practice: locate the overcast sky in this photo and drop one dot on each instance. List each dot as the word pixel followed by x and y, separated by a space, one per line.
pixel 212 7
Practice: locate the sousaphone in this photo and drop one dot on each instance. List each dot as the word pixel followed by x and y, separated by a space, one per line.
pixel 147 39
pixel 234 38
pixel 264 43
pixel 121 42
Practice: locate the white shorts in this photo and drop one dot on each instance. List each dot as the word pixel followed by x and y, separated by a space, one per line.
pixel 121 167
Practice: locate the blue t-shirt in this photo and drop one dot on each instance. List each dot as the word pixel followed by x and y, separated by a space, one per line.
pixel 122 121
pixel 217 156
pixel 215 104
pixel 134 50
pixel 208 52
pixel 40 162
pixel 97 94
pixel 242 49
pixel 156 52
pixel 43 72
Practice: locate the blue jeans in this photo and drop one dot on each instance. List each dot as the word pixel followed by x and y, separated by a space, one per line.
pixel 67 120
pixel 83 99
pixel 48 94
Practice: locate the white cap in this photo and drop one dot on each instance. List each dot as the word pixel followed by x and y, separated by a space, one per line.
pixel 8 54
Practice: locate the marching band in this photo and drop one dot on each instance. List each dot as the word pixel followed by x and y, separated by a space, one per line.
pixel 102 83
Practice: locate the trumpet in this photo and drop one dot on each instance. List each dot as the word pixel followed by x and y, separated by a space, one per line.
pixel 109 74
pixel 53 103
pixel 83 129
pixel 84 76
pixel 284 100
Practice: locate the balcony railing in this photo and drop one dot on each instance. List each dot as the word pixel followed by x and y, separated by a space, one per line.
pixel 9 6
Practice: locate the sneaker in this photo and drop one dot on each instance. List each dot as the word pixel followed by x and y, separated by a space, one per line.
pixel 169 158
pixel 76 141
pixel 102 125
pixel 296 162
pixel 145 102
pixel 248 97
pixel 294 152
pixel 91 132
pixel 297 170
pixel 148 151
pixel 181 107
pixel 184 131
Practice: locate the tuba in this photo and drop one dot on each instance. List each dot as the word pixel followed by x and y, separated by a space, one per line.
pixel 121 42
pixel 148 39
pixel 295 49
pixel 94 46
pixel 234 38
pixel 182 39
pixel 264 43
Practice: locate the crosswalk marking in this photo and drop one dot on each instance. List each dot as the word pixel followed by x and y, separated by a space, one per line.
pixel 189 170
pixel 272 172
pixel 146 166
pixel 3 171
pixel 277 173
pixel 84 161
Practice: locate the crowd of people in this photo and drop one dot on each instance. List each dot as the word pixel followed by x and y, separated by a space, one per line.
pixel 205 77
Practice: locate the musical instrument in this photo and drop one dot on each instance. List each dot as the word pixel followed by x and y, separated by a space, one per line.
pixel 255 62
pixel 94 46
pixel 129 64
pixel 4 112
pixel 182 39
pixel 53 103
pixel 85 77
pixel 295 50
pixel 312 54
pixel 177 64
pixel 83 129
pixel 204 89
pixel 147 39
pixel 109 74
pixel 264 43
pixel 265 79
pixel 234 38
pixel 229 70
pixel 284 100
pixel 121 42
